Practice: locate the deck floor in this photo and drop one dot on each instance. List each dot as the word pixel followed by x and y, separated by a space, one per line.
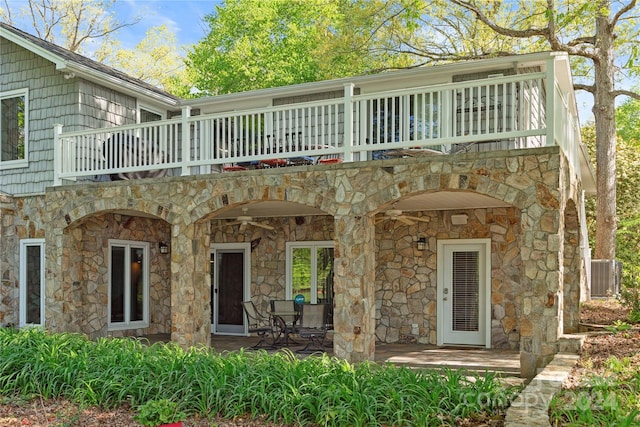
pixel 505 362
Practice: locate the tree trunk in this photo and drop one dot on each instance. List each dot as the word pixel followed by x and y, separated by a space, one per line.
pixel 604 112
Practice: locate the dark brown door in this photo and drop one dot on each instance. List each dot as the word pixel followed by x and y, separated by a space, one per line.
pixel 228 291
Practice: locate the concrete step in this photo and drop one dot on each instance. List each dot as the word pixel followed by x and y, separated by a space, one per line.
pixel 571 343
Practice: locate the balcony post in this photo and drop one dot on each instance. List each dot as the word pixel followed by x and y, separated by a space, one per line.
pixel 550 113
pixel 57 155
pixel 186 141
pixel 348 122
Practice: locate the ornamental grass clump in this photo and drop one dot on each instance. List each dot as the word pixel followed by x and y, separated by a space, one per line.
pixel 279 387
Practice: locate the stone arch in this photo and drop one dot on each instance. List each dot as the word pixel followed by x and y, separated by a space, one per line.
pixel 79 257
pixel 572 268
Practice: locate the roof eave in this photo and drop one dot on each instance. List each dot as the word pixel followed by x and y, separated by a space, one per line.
pixel 118 84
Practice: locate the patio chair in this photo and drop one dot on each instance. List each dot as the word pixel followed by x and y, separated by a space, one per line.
pixel 313 326
pixel 285 315
pixel 261 325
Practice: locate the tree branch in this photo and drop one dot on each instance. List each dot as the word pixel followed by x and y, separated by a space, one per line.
pixel 520 34
pixel 624 9
pixel 582 40
pixel 623 92
pixel 588 88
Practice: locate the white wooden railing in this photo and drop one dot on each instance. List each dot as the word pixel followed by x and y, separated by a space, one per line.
pixel 503 112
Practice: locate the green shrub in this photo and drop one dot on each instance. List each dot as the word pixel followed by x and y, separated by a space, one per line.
pixel 156 412
pixel 280 387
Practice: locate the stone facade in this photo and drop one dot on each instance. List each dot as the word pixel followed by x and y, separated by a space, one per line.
pixel 382 285
pixel 406 278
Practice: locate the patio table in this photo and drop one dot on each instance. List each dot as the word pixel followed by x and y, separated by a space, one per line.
pixel 279 316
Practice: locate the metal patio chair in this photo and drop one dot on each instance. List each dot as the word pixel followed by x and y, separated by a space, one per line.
pixel 261 325
pixel 313 326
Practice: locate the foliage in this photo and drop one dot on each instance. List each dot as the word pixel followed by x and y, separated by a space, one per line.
pixel 156 412
pixel 155 59
pixel 254 44
pixel 78 23
pixel 281 387
pixel 618 326
pixel 601 400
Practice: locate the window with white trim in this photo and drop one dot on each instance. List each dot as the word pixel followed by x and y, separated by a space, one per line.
pixel 14 120
pixel 310 272
pixel 31 306
pixel 128 284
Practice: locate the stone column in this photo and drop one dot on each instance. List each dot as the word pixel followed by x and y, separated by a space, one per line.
pixel 541 281
pixel 190 284
pixel 64 282
pixel 8 249
pixel 355 306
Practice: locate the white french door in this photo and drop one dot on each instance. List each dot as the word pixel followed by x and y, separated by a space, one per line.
pixel 464 288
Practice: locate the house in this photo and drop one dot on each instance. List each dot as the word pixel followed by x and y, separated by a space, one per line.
pixel 442 205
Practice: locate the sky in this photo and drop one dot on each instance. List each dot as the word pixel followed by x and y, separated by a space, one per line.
pixel 184 18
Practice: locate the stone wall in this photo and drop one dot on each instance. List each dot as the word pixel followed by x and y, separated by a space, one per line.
pixel 406 277
pixel 90 291
pixel 268 258
pixel 20 218
pixel 352 194
pixel 8 265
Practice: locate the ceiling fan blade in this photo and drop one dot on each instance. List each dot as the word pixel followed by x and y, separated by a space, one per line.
pixel 419 218
pixel 259 224
pixel 405 220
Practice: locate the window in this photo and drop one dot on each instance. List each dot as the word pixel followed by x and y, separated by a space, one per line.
pixel 128 284
pixel 146 115
pixel 14 128
pixel 31 305
pixel 310 272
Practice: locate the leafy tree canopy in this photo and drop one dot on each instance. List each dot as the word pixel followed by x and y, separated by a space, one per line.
pixel 255 44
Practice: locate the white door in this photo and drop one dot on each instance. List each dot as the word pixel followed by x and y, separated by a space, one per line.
pixel 464 287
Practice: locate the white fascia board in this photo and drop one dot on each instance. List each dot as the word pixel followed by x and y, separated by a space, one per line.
pixel 64 65
pixel 120 85
pixel 59 62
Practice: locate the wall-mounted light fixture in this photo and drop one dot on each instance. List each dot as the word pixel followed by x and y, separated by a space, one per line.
pixel 421 244
pixel 459 219
pixel 164 248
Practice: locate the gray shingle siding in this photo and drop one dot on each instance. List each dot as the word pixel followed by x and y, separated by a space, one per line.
pixel 75 103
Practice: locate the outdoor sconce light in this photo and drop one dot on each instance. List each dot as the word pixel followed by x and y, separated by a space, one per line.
pixel 459 219
pixel 164 248
pixel 421 244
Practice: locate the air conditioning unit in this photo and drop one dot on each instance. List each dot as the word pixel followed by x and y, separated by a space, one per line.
pixel 606 275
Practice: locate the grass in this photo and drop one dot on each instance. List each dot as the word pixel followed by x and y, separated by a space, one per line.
pixel 284 389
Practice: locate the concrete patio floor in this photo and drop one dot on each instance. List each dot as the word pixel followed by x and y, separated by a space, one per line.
pixel 505 362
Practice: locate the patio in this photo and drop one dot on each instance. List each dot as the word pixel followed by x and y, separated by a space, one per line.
pixel 505 362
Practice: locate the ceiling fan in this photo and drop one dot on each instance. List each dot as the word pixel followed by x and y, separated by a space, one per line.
pixel 245 220
pixel 397 214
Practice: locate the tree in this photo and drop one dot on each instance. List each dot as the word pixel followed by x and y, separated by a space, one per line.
pixel 255 44
pixel 155 59
pixel 600 36
pixel 78 23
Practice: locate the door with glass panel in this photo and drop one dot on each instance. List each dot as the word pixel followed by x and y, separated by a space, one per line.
pixel 229 287
pixel 463 292
pixel 310 272
pixel 128 284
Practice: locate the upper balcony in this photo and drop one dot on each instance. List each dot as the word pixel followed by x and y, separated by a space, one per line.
pixel 533 107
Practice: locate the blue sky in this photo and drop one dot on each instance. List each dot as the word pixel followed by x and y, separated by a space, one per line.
pixel 184 18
